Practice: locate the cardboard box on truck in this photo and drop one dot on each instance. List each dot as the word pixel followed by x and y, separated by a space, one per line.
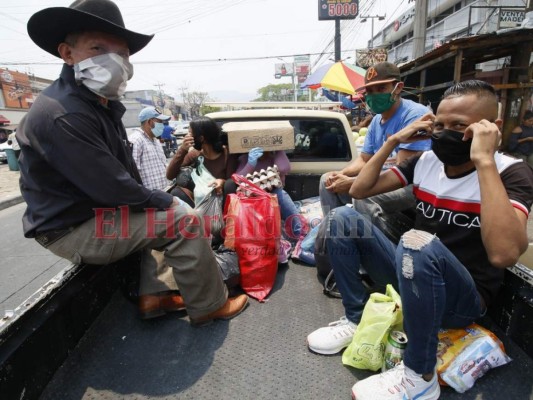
pixel 269 135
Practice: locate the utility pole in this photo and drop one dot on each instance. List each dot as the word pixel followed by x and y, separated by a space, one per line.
pixel 419 30
pixel 159 85
pixel 372 17
pixel 294 81
pixel 337 40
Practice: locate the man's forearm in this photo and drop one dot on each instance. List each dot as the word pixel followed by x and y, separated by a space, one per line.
pixel 354 167
pixel 369 175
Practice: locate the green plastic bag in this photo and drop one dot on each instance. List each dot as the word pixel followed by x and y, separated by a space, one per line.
pixel 382 313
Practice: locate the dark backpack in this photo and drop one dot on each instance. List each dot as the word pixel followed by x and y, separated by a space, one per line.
pixel 323 266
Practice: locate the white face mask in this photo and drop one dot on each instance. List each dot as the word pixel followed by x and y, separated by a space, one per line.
pixel 106 75
pixel 158 129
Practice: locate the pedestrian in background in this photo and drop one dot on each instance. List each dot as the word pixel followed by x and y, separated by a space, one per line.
pixel 147 149
pixel 12 140
pixel 521 139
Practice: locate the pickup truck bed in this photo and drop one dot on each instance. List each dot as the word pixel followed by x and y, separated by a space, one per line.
pixel 79 337
pixel 261 354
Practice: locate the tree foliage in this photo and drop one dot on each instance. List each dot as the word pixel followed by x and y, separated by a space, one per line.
pixel 193 101
pixel 280 92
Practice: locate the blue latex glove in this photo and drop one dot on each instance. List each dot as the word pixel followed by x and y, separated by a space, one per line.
pixel 254 155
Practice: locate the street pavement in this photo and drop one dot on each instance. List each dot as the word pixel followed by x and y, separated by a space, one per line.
pixel 24 265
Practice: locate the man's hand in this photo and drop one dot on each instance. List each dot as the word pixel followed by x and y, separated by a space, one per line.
pixel 218 184
pixel 340 184
pixel 254 155
pixel 420 129
pixel 486 138
pixel 331 177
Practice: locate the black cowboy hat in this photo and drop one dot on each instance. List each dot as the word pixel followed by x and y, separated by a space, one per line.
pixel 49 27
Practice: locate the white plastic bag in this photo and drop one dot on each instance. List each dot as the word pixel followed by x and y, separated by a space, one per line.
pixel 203 180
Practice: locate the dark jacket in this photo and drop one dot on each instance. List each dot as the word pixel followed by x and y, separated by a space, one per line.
pixel 75 158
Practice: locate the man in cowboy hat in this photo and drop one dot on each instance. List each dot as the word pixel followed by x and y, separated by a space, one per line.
pixel 392 113
pixel 85 198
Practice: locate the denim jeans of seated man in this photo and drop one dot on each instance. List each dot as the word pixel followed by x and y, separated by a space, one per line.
pixel 393 212
pixel 436 289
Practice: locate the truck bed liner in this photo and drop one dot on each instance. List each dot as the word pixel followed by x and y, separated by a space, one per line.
pixel 261 354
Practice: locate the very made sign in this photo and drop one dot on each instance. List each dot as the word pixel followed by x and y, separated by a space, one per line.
pixel 511 18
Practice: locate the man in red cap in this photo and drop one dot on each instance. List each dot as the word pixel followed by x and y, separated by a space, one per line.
pixel 85 198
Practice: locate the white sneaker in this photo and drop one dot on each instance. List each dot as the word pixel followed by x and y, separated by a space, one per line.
pixel 332 338
pixel 398 383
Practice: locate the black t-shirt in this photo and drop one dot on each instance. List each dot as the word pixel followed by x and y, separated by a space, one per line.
pixel 450 208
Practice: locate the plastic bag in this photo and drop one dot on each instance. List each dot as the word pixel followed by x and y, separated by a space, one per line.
pixel 311 212
pixel 203 180
pixel 184 178
pixel 211 207
pixel 305 248
pixel 228 263
pixel 382 313
pixel 253 229
pixel 465 355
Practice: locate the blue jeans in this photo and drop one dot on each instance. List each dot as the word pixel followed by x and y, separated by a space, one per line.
pixel 289 212
pixel 392 212
pixel 436 289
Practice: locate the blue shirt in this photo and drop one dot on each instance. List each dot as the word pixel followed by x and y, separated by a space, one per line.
pixel 167 132
pixel 408 112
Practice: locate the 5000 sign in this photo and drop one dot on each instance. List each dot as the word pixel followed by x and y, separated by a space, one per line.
pixel 337 9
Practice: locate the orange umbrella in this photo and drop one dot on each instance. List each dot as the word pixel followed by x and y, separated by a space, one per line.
pixel 339 76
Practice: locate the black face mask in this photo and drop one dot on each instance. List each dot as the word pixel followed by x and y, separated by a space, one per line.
pixel 197 143
pixel 450 148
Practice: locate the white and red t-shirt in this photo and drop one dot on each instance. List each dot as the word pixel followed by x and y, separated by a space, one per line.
pixel 450 208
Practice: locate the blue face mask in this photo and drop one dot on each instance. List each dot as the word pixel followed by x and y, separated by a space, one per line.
pixel 157 130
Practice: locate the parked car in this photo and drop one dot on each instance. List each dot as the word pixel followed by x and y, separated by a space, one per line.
pixel 3 155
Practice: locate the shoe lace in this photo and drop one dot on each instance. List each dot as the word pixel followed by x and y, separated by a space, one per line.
pixel 344 327
pixel 397 381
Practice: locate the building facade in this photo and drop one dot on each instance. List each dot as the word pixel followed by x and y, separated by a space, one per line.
pixel 447 20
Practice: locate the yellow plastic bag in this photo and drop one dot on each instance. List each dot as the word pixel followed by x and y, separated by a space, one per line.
pixel 382 313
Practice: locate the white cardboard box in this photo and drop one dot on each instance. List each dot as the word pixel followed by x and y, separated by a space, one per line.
pixel 269 135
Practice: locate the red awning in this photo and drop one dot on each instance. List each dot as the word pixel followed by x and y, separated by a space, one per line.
pixel 4 120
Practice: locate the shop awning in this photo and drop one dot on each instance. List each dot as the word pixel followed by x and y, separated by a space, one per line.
pixel 11 127
pixel 4 120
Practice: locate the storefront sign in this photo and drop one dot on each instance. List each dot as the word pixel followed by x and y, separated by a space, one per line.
pixel 283 69
pixel 511 18
pixel 16 89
